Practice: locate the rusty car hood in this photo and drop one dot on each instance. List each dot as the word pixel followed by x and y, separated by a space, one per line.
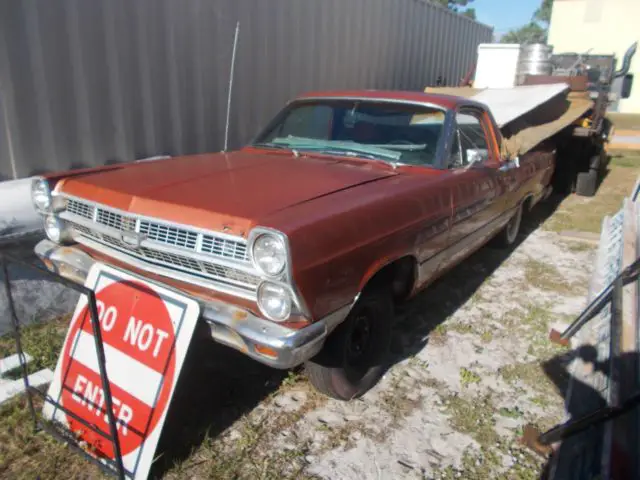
pixel 225 191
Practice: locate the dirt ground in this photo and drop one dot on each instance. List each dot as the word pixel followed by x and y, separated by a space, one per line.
pixel 469 368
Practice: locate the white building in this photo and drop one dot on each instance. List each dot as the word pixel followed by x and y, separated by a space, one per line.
pixel 605 27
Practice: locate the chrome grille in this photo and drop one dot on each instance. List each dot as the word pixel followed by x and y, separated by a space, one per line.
pixel 171 259
pixel 223 248
pixel 169 235
pixel 178 238
pixel 80 208
pixel 112 220
pixel 174 260
pixel 162 233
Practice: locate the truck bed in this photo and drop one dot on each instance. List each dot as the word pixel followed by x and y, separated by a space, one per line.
pixel 527 115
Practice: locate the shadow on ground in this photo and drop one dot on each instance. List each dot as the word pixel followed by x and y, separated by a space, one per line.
pixel 222 385
pixel 591 452
pixel 443 298
pixel 217 387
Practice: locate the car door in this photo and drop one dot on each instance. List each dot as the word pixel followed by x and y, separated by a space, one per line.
pixel 476 193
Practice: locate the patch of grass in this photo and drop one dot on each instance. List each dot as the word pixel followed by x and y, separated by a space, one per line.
pixel 585 214
pixel 486 336
pixel 463 328
pixel 293 378
pixel 399 401
pixel 439 334
pixel 514 412
pixel 625 161
pixel 579 247
pixel 473 417
pixel 541 401
pixel 531 374
pixel 42 341
pixel 546 277
pixel 25 454
pixel 467 377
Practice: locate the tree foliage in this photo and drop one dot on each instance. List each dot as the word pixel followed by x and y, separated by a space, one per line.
pixel 459 6
pixel 543 14
pixel 533 32
pixel 530 33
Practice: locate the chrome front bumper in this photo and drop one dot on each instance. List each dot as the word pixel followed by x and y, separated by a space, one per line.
pixel 262 340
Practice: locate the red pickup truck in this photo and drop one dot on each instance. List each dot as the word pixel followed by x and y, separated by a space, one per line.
pixel 298 245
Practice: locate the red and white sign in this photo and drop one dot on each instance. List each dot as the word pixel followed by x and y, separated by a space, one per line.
pixel 146 331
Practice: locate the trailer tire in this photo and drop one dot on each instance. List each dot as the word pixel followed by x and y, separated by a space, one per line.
pixel 587 182
pixel 353 357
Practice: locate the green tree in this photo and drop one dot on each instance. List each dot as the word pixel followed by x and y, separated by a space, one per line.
pixel 459 6
pixel 543 14
pixel 533 32
pixel 470 12
pixel 530 33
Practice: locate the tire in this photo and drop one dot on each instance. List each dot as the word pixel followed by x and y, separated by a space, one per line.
pixel 587 183
pixel 509 233
pixel 353 357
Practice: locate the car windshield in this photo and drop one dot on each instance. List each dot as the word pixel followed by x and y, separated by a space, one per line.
pixel 396 133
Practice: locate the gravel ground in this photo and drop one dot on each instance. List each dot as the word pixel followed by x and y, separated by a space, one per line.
pixel 468 372
pixel 469 368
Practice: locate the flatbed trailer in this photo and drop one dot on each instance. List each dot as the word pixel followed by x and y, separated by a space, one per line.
pixel 559 114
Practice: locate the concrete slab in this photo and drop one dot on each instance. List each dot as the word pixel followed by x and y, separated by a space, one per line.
pixel 11 388
pixel 11 363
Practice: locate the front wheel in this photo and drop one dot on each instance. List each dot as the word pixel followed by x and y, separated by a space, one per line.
pixel 353 358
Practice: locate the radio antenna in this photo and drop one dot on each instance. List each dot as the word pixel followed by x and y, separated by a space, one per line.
pixel 231 74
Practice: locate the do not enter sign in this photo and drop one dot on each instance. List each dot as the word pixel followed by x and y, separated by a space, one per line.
pixel 146 331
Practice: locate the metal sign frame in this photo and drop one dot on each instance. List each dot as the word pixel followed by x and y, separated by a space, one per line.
pixel 60 433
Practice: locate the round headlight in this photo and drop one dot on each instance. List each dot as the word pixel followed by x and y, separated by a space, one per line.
pixel 55 229
pixel 41 195
pixel 274 301
pixel 270 254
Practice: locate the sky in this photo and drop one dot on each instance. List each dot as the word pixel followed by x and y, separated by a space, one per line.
pixel 505 15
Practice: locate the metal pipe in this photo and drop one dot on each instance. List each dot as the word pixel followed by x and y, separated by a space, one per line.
pixel 102 366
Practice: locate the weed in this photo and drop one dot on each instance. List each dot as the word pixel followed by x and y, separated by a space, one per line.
pixel 473 417
pixel 547 277
pixel 486 336
pixel 463 328
pixel 467 377
pixel 514 412
pixel 585 214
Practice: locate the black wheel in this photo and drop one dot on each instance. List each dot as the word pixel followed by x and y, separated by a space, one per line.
pixel 509 233
pixel 353 358
pixel 587 183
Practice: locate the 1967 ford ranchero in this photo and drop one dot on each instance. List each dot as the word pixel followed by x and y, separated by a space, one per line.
pixel 297 245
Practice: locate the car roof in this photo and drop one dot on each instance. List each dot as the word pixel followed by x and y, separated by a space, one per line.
pixel 444 101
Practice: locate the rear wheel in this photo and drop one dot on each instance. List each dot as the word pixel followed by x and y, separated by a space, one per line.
pixel 509 233
pixel 353 358
pixel 587 182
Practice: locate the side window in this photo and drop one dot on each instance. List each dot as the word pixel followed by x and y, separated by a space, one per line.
pixel 474 147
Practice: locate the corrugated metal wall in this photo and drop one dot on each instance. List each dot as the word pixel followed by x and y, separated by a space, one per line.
pixel 84 83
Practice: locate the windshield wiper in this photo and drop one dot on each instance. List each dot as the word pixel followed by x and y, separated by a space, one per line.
pixel 368 156
pixel 271 145
pixel 276 146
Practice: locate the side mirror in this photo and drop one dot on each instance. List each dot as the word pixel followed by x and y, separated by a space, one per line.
pixel 476 155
